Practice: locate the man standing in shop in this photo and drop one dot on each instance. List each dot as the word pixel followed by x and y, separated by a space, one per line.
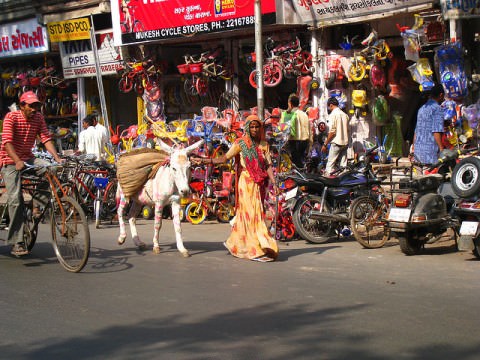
pixel 91 141
pixel 301 135
pixel 20 130
pixel 337 137
pixel 427 141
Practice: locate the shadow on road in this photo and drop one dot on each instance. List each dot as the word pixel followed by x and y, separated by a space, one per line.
pixel 270 331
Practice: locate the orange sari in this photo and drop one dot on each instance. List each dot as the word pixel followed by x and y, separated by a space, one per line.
pixel 250 237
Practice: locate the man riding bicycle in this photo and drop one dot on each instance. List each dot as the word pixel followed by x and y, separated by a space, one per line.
pixel 20 130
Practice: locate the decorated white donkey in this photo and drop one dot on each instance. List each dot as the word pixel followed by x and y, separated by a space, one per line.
pixel 170 183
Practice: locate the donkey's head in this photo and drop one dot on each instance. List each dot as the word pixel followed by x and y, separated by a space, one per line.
pixel 180 165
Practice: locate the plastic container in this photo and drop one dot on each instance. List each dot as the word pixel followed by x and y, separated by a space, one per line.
pixel 183 68
pixel 196 68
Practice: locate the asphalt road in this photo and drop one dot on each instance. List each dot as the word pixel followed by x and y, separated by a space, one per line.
pixel 329 301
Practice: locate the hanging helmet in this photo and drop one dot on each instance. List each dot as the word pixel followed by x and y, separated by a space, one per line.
pixel 381 111
pixel 377 76
pixel 359 98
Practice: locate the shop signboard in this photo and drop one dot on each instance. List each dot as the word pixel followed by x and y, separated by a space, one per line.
pixel 137 21
pixel 460 9
pixel 23 38
pixel 78 59
pixel 69 30
pixel 332 12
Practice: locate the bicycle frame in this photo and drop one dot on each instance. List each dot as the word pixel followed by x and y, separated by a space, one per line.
pixel 70 234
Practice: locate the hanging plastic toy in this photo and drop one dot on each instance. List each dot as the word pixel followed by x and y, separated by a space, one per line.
pixel 422 74
pixel 452 71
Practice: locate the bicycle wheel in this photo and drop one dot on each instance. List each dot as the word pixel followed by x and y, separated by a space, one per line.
pixel 314 231
pixel 225 211
pixel 195 213
pixel 201 85
pixel 30 229
pixel 272 74
pixel 189 87
pixel 125 84
pixel 357 71
pixel 70 234
pixel 138 26
pixel 253 78
pixel 110 205
pixel 368 222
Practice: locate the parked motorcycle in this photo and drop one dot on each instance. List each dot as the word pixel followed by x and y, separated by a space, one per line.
pixel 322 209
pixel 420 211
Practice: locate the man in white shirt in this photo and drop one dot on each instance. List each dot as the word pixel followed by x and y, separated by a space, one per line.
pixel 102 130
pixel 91 141
pixel 338 136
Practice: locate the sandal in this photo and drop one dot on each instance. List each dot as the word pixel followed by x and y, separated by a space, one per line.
pixel 18 250
pixel 263 259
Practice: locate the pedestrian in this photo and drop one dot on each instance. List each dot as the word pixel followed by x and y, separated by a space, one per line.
pixel 250 238
pixel 301 135
pixel 20 131
pixel 91 141
pixel 337 137
pixel 427 140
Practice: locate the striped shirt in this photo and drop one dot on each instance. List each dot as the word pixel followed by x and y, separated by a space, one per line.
pixel 21 133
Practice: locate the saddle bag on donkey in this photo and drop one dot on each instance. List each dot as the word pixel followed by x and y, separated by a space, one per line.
pixel 135 167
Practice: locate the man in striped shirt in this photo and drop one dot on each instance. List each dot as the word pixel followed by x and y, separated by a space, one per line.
pixel 20 129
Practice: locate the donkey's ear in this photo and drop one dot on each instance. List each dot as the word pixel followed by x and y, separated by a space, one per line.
pixel 194 146
pixel 164 146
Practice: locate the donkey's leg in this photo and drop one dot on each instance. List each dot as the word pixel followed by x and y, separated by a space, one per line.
pixel 177 226
pixel 157 226
pixel 121 206
pixel 132 220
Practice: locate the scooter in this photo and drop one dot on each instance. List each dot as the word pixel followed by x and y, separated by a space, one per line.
pixel 466 184
pixel 420 211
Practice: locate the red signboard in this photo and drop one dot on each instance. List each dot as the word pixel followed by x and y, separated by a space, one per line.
pixel 136 21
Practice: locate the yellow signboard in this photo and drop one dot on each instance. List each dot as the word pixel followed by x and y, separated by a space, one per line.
pixel 76 29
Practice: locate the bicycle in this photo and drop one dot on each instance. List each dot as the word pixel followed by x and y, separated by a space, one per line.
pixel 220 204
pixel 93 185
pixel 368 220
pixel 68 223
pixel 132 24
pixel 286 60
pixel 375 50
pixel 196 84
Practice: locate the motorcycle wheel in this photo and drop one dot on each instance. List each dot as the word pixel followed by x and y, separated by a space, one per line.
pixel 367 222
pixel 466 177
pixel 408 245
pixel 314 231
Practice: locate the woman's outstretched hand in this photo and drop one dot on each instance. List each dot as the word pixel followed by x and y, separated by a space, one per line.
pixel 196 160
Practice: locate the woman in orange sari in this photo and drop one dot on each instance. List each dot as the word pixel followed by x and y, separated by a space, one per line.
pixel 250 238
